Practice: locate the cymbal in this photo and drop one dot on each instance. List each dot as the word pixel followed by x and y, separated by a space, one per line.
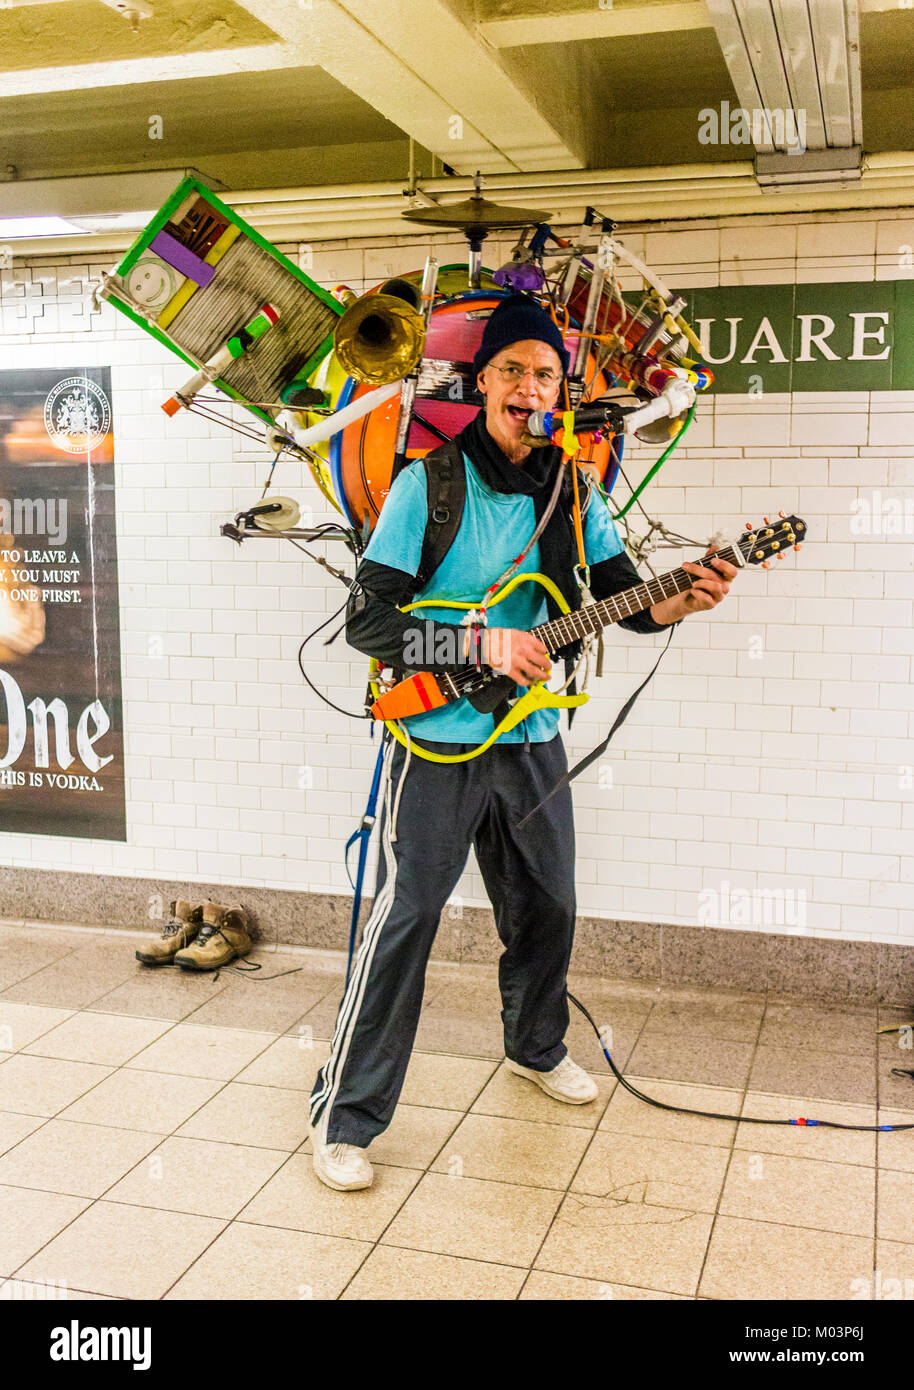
pixel 476 214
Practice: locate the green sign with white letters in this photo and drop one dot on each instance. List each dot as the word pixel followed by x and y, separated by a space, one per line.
pixel 759 339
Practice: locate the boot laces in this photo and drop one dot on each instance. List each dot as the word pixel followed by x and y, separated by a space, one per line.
pixel 174 926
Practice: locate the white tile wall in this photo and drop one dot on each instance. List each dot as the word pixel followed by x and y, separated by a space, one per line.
pixel 773 754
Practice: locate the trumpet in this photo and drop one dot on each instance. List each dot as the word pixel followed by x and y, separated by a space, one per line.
pixel 381 337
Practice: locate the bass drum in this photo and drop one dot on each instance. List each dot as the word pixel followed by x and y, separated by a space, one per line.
pixel 361 456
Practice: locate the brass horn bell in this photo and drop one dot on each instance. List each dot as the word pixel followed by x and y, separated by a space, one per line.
pixel 381 337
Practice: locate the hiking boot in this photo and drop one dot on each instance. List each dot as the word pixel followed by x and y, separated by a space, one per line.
pixel 567 1081
pixel 223 935
pixel 176 934
pixel 344 1167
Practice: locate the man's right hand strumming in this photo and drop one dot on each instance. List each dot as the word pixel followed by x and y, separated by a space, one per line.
pixel 517 654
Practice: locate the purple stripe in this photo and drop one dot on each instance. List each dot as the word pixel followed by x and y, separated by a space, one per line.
pixel 183 260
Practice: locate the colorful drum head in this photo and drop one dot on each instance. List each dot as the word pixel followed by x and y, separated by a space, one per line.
pixel 361 456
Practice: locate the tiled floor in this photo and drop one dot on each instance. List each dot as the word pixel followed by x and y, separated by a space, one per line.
pixel 153 1142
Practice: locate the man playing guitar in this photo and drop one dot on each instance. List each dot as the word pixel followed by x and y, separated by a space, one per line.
pixel 435 811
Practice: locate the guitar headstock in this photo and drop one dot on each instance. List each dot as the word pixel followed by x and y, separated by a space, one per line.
pixel 759 543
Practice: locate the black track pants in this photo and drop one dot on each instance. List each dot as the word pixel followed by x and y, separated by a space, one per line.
pixel 437 811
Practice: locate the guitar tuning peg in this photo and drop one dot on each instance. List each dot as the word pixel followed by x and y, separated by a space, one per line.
pixel 766 564
pixel 799 547
pixel 749 526
pixel 766 521
pixel 781 514
pixel 780 555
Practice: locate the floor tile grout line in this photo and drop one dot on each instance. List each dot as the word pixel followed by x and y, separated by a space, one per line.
pixel 100 1197
pixel 470 1259
pixel 125 1067
pixel 263 1085
pixel 732 1150
pixel 86 1004
pixel 587 1147
pixel 275 1037
pixel 597 1133
pixel 48 963
pixel 11 1278
pixel 356 1240
pixel 231 1221
pixel 161 1139
pixel 295 1153
pixel 425 1171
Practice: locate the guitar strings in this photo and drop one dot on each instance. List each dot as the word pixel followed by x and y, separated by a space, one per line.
pixel 677 576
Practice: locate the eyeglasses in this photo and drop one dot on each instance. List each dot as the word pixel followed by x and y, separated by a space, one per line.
pixel 515 374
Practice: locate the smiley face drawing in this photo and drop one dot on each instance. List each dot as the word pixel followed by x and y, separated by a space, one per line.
pixel 152 283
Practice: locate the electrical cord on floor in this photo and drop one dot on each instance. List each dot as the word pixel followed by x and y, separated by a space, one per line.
pixel 713 1114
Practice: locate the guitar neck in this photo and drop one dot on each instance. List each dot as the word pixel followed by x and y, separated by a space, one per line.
pixel 587 621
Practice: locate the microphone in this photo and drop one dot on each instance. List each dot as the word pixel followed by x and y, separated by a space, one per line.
pixel 596 415
pixel 625 415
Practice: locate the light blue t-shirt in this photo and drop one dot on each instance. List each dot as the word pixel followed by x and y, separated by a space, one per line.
pixel 494 529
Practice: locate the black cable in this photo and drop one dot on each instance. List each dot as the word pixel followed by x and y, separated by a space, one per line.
pixel 713 1114
pixel 326 528
pixel 310 683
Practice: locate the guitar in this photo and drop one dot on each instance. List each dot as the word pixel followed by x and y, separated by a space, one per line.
pixel 486 690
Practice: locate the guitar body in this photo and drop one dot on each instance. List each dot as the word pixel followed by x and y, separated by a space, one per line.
pixel 425 691
pixel 493 693
pixel 485 690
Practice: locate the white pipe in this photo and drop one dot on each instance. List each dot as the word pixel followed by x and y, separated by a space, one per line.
pixel 676 397
pixel 316 434
pixel 651 276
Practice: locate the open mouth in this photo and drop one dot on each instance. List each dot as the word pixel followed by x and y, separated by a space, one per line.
pixel 519 412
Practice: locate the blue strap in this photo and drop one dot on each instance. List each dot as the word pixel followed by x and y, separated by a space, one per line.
pixel 615 459
pixel 363 835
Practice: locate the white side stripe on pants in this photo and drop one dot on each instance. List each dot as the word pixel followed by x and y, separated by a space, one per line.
pixel 323 1101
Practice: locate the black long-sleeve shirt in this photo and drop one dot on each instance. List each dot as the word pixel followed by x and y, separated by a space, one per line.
pixel 377 627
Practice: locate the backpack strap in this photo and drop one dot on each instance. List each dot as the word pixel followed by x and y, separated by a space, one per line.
pixel 447 486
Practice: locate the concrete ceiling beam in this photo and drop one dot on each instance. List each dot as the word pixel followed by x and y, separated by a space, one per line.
pixel 176 67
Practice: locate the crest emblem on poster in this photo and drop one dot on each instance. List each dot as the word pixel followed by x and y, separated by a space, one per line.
pixel 77 415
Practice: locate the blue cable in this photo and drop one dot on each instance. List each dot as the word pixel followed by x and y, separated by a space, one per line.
pixel 363 835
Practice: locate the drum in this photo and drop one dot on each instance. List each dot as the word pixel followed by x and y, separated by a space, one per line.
pixel 616 316
pixel 361 456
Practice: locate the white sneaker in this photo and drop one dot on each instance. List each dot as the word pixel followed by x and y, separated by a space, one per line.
pixel 344 1167
pixel 567 1081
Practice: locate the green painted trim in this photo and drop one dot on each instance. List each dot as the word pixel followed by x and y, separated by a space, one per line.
pixel 141 243
pixel 316 358
pixel 186 186
pixel 150 328
pixel 157 333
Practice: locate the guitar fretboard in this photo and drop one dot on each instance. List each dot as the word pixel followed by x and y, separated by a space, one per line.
pixel 588 621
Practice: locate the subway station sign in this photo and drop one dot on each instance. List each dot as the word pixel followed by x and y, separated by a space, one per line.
pixel 855 336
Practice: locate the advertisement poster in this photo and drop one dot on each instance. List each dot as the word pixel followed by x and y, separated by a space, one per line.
pixel 61 727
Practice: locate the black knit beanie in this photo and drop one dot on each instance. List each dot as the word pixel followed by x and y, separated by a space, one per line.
pixel 516 319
